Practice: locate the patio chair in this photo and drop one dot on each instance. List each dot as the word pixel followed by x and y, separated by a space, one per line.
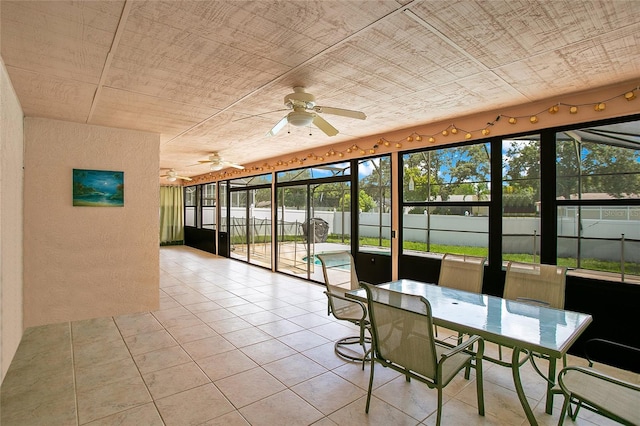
pixel 535 284
pixel 340 276
pixel 461 272
pixel 402 339
pixel 596 391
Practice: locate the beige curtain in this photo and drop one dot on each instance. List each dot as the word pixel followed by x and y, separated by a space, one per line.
pixel 171 214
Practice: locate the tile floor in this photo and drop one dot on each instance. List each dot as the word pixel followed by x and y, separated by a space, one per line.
pixel 232 344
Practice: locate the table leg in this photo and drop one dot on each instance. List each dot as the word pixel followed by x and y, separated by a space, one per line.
pixel 550 384
pixel 515 369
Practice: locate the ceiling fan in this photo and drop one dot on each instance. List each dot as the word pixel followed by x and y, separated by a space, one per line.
pixel 172 176
pixel 218 163
pixel 305 111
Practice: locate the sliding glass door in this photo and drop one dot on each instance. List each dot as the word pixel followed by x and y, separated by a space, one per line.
pixel 313 217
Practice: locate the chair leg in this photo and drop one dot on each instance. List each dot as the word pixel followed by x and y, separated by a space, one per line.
pixel 439 413
pixel 366 410
pixel 565 408
pixel 479 386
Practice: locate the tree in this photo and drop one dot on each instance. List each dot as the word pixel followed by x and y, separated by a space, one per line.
pixel 585 167
pixel 365 202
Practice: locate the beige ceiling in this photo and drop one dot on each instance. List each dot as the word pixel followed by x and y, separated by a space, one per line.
pixel 200 72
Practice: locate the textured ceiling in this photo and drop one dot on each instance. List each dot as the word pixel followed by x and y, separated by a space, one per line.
pixel 211 75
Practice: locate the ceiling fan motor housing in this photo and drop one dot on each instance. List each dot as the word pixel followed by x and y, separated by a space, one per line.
pixel 300 99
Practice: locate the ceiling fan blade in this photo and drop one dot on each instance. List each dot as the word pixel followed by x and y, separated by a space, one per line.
pixel 184 178
pixel 323 125
pixel 339 111
pixel 204 161
pixel 234 165
pixel 279 125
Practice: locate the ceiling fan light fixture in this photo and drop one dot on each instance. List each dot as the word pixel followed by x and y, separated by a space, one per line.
pixel 171 178
pixel 216 166
pixel 300 118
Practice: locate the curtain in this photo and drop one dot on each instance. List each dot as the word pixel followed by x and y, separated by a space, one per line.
pixel 171 214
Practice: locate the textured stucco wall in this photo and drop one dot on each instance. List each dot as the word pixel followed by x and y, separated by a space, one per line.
pixel 11 181
pixel 87 262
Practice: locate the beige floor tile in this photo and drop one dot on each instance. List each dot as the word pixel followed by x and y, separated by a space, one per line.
pixel 194 406
pixel 230 419
pixel 326 356
pixel 283 408
pixel 190 299
pixel 498 401
pixel 146 415
pixel 456 413
pixel 226 364
pixel 310 320
pixel 245 309
pixel 229 302
pixel 229 325
pixel 112 398
pixel 93 376
pixel 147 342
pixel 99 352
pixel 303 340
pixel 280 328
pixel 249 386
pixel 210 317
pixel 161 358
pixel 268 351
pixel 328 392
pixel 203 307
pixel 275 305
pixel 260 318
pixel 414 398
pixel 137 323
pixel 246 337
pixel 354 373
pixel 203 348
pixel 189 334
pixel 176 379
pixel 87 331
pixel 294 369
pixel 38 409
pixel 380 414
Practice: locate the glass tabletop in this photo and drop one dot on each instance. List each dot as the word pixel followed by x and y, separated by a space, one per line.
pixel 510 323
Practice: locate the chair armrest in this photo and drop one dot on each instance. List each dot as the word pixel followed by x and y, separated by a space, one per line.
pixel 593 373
pixel 466 345
pixel 531 301
pixel 592 343
pixel 352 301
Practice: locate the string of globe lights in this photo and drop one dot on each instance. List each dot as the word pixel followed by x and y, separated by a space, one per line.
pixel 452 129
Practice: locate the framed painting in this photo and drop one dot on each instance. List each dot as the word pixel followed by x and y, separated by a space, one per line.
pixel 98 188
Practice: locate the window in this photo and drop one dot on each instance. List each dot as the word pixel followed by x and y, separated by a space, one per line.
pixel 598 198
pixel 209 206
pixel 446 197
pixel 521 226
pixel 190 205
pixel 250 219
pixel 374 205
pixel 314 216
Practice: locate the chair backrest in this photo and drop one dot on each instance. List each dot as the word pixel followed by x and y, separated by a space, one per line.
pixel 462 272
pixel 535 283
pixel 339 271
pixel 402 329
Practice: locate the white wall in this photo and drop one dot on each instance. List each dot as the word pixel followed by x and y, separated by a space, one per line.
pixel 11 184
pixel 87 262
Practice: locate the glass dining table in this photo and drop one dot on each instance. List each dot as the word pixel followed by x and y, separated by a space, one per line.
pixel 524 327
